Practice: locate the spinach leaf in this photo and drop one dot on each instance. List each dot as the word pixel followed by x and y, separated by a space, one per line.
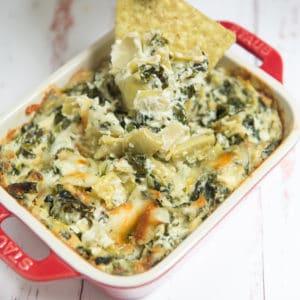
pixel 65 207
pixel 270 148
pixel 249 123
pixel 101 260
pixel 84 252
pixel 60 122
pixel 150 72
pixel 180 113
pixel 209 187
pixel 138 162
pixel 235 139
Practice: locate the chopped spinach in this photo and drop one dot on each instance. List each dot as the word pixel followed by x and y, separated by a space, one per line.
pixel 189 90
pixel 142 119
pixel 222 111
pixel 113 89
pixel 103 217
pixel 233 106
pixel 49 199
pixel 249 123
pixel 15 169
pixel 101 260
pixel 153 183
pixel 236 105
pixel 50 139
pixel 180 113
pixel 270 148
pixel 26 153
pixel 245 92
pixel 150 72
pixel 65 207
pixel 86 88
pixel 213 191
pixel 104 125
pixel 65 234
pixel 261 105
pixel 84 252
pixel 138 162
pixel 31 135
pixel 200 67
pixel 226 88
pixel 60 122
pixel 198 190
pixel 131 126
pixel 157 41
pixel 235 139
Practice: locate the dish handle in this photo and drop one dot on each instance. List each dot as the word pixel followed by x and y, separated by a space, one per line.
pixel 272 61
pixel 50 268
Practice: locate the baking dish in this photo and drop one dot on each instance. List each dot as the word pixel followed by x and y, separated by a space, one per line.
pixel 62 262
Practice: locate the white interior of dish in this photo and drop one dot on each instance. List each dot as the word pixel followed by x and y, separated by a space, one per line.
pixel 91 58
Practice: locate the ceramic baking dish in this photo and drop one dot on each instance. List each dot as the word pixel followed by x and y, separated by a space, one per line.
pixel 63 262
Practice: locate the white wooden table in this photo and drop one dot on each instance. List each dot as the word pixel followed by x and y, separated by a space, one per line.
pixel 255 252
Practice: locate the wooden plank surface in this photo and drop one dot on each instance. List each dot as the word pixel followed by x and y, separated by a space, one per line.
pixel 254 252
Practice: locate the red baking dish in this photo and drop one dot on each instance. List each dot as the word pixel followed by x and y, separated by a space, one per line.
pixel 62 262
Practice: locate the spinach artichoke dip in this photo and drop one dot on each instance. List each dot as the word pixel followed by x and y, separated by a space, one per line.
pixel 126 161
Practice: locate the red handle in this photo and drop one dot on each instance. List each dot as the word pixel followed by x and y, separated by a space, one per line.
pixel 50 268
pixel 272 61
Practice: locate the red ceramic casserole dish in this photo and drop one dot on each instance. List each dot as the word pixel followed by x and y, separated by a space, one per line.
pixel 62 262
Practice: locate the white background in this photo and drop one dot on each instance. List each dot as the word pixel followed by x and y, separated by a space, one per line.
pixel 254 253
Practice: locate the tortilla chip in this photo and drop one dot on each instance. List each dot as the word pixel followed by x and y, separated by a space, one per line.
pixel 189 31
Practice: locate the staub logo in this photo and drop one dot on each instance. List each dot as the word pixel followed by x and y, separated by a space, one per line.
pixel 11 252
pixel 251 41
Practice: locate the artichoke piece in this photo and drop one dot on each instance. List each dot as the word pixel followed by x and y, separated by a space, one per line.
pixel 173 134
pixel 124 51
pixel 152 101
pixel 110 189
pixel 70 107
pixel 129 87
pixel 109 145
pixel 143 141
pixel 194 147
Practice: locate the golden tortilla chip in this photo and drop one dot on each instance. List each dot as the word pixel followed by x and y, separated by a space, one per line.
pixel 189 31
